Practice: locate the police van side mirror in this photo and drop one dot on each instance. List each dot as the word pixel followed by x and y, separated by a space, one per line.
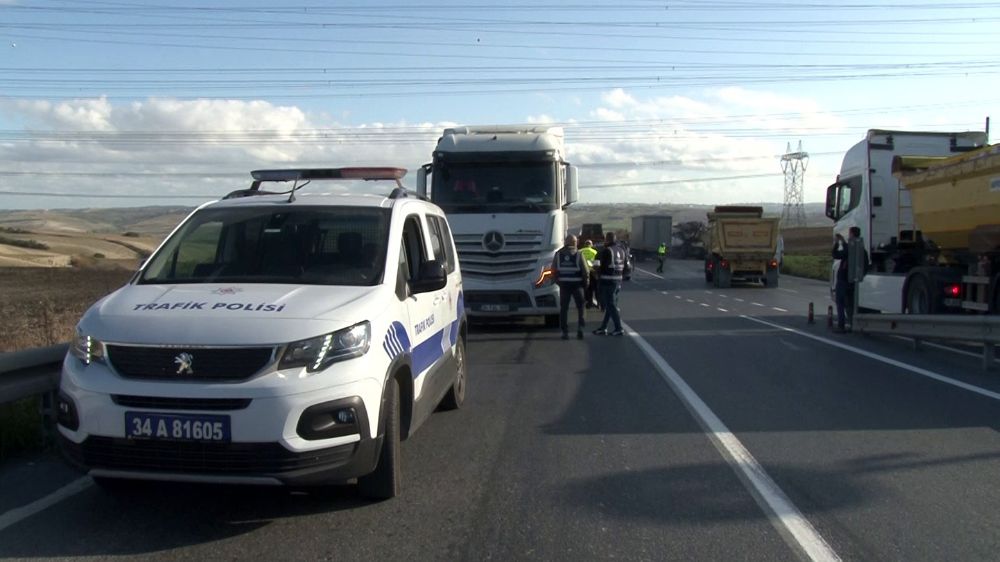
pixel 433 277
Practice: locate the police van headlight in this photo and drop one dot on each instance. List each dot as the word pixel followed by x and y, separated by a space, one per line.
pixel 86 348
pixel 317 353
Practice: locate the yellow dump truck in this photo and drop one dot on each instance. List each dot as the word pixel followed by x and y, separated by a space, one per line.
pixel 742 246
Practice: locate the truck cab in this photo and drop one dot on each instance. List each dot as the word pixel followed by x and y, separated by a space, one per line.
pixel 505 191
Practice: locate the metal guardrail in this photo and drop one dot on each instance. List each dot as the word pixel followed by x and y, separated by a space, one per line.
pixel 945 327
pixel 30 372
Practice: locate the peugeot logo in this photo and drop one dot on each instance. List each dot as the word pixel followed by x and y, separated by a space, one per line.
pixel 493 241
pixel 184 362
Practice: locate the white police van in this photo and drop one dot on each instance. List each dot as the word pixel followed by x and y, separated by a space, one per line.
pixel 273 340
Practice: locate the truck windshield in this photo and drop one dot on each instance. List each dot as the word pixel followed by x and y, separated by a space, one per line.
pixel 492 187
pixel 309 246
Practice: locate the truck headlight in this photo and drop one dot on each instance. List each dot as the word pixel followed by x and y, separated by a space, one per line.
pixel 86 348
pixel 317 353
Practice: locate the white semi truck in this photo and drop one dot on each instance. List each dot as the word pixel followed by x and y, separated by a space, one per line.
pixel 505 190
pixel 927 204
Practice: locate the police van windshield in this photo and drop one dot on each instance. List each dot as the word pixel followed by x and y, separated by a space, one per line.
pixel 491 187
pixel 311 246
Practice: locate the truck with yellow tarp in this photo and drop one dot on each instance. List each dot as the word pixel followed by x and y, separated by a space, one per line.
pixel 742 246
pixel 928 206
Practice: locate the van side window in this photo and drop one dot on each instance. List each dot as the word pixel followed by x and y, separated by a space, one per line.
pixel 413 246
pixel 441 240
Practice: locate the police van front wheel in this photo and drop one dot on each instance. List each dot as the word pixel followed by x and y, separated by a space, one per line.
pixel 455 397
pixel 385 481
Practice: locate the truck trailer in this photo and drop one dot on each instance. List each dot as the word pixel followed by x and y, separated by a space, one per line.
pixel 648 232
pixel 742 245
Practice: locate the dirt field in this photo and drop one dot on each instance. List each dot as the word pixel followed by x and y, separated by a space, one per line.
pixel 41 306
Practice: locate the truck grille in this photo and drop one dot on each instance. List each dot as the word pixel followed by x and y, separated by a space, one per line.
pixel 515 298
pixel 518 257
pixel 207 364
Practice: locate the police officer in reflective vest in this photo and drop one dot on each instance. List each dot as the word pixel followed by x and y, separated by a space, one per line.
pixel 572 275
pixel 661 255
pixel 612 258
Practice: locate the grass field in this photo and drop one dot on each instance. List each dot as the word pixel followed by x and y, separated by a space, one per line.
pixel 40 306
pixel 809 266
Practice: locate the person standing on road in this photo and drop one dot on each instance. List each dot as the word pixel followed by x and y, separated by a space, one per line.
pixel 589 254
pixel 612 258
pixel 571 274
pixel 844 289
pixel 661 255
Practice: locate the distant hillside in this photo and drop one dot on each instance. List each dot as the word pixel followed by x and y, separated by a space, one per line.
pixel 151 221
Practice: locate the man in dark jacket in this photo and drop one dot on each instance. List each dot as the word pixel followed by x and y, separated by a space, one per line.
pixel 613 258
pixel 844 288
pixel 572 275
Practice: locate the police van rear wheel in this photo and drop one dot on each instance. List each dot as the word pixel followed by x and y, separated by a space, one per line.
pixel 455 397
pixel 385 481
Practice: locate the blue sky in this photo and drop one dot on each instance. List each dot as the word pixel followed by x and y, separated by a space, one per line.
pixel 145 102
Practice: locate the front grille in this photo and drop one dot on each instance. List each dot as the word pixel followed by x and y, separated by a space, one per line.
pixel 208 364
pixel 160 403
pixel 202 458
pixel 518 257
pixel 518 298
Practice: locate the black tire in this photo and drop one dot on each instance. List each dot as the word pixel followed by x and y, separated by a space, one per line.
pixel 918 296
pixel 723 278
pixel 455 397
pixel 708 273
pixel 120 487
pixel 384 482
pixel 771 279
pixel 551 320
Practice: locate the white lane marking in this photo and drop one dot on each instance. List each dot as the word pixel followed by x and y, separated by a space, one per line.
pixel 738 300
pixel 756 304
pixel 946 348
pixel 664 292
pixel 787 290
pixel 721 310
pixel 785 517
pixel 723 296
pixel 703 304
pixel 650 273
pixel 779 309
pixel 678 296
pixel 709 293
pixel 690 300
pixel 19 514
pixel 871 355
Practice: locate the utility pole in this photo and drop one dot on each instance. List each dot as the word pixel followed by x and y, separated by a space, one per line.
pixel 793 164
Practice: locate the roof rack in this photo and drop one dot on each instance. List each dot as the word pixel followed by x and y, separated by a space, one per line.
pixel 306 175
pixel 401 192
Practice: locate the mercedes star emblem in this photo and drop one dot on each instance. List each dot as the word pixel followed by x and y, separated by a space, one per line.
pixel 493 241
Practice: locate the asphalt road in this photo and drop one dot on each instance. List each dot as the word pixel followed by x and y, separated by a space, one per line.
pixel 591 450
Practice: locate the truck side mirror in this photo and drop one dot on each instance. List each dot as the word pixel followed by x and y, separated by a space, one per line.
pixel 572 185
pixel 422 179
pixel 831 201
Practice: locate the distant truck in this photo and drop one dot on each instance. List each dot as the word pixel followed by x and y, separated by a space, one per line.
pixel 928 207
pixel 593 231
pixel 648 232
pixel 742 245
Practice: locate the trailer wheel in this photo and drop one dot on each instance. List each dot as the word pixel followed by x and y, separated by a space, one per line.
pixel 918 296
